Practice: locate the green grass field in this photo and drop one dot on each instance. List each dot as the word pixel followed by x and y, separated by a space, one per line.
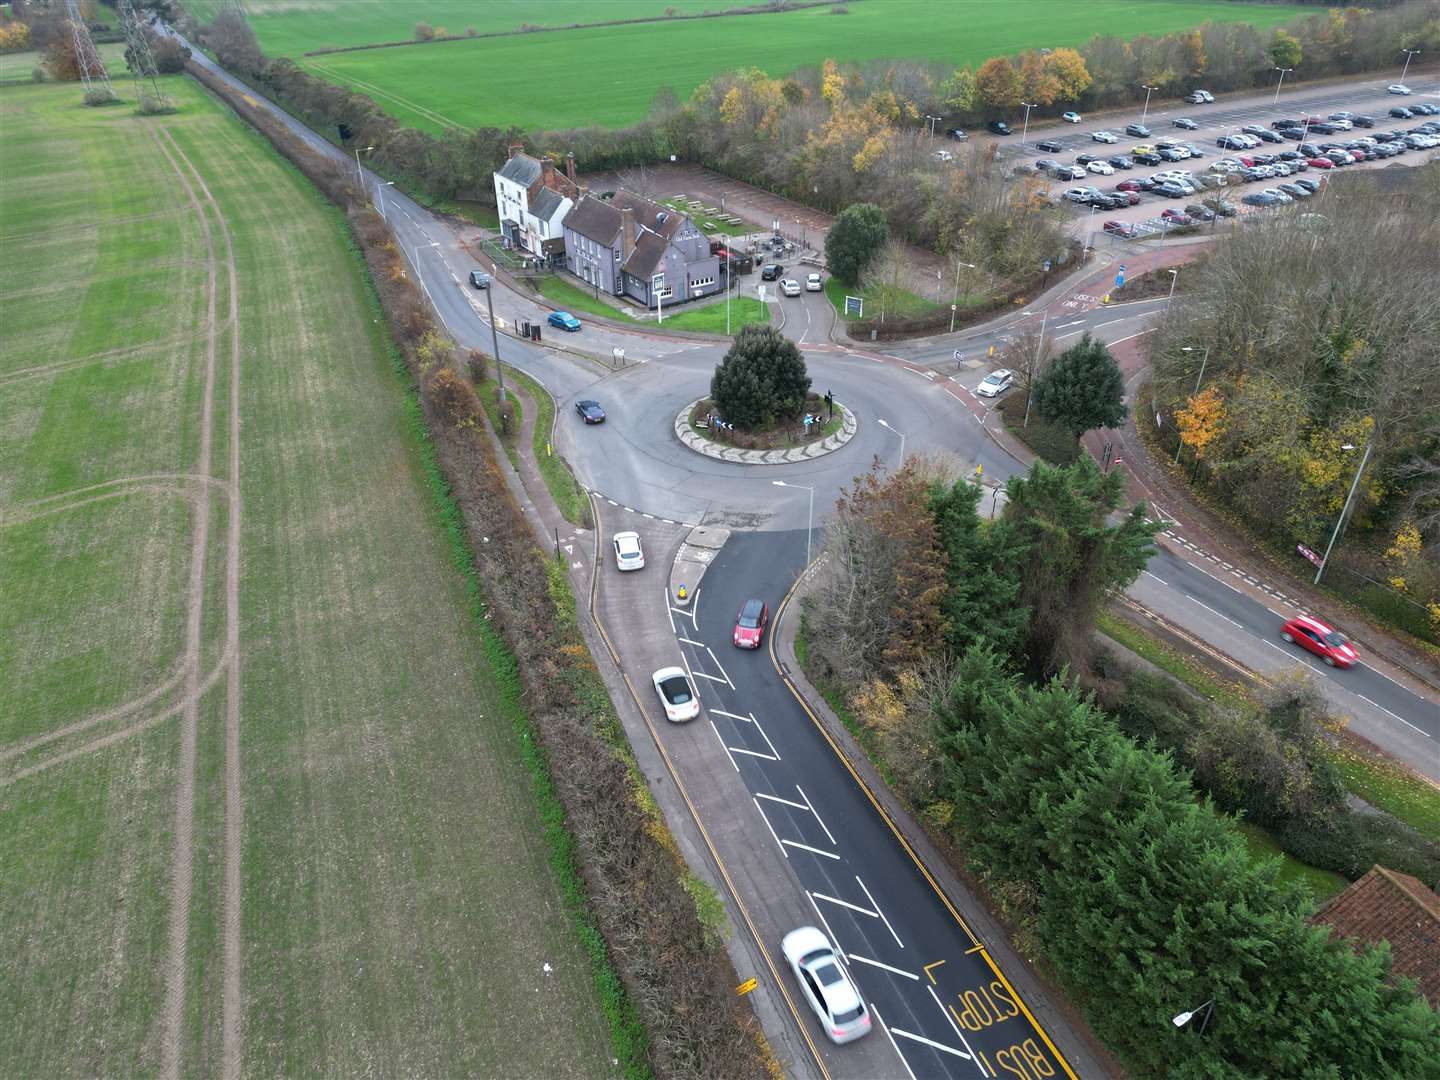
pixel 710 319
pixel 489 81
pixel 19 65
pixel 262 806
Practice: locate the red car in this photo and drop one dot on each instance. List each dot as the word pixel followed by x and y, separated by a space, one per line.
pixel 1176 217
pixel 1320 163
pixel 1327 643
pixel 1120 229
pixel 750 624
pixel 1130 186
pixel 1128 195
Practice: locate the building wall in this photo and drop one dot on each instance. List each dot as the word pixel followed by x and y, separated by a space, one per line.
pixel 586 260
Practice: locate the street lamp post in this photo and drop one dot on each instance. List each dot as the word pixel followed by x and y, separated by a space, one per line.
pixel 1203 358
pixel 1174 277
pixel 810 520
pixel 359 175
pixel 380 196
pixel 1184 1018
pixel 1025 130
pixel 1030 380
pixel 932 120
pixel 901 434
pixel 1089 233
pixel 1344 510
pixel 1409 54
pixel 495 336
pixel 956 302
pixel 1148 91
pixel 1283 72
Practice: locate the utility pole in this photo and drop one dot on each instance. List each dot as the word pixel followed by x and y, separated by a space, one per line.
pixel 1278 85
pixel 1344 510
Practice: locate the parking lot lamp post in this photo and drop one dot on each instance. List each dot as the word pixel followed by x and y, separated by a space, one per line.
pixel 890 429
pixel 1146 111
pixel 1174 277
pixel 810 520
pixel 956 302
pixel 932 120
pixel 1089 233
pixel 1025 130
pixel 1205 356
pixel 1344 510
pixel 1283 72
pixel 1409 55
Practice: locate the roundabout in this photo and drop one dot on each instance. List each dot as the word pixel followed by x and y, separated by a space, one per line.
pixel 702 441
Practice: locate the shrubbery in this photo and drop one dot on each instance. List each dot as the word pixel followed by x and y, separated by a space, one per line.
pixel 760 380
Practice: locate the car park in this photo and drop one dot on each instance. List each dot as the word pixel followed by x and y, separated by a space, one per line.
pixel 750 624
pixel 996 383
pixel 629 555
pixel 676 694
pixel 1324 641
pixel 564 320
pixel 957 135
pixel 480 279
pixel 790 287
pixel 825 985
pixel 1120 161
pixel 1104 136
pixel 813 283
pixel 1140 131
pixel 1398 88
pixel 771 271
pixel 1199 212
pixel 590 412
pixel 1103 168
pixel 1186 123
pixel 998 127
pixel 1121 229
pixel 1071 117
pixel 1049 146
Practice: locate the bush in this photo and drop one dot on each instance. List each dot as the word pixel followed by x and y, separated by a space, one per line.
pixel 37 74
pixel 424 32
pixel 479 368
pixel 761 379
pixel 1350 842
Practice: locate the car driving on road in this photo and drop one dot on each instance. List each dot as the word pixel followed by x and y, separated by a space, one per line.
pixel 629 555
pixel 564 320
pixel 673 687
pixel 590 412
pixel 996 383
pixel 813 283
pixel 825 984
pixel 750 624
pixel 1324 641
pixel 790 287
pixel 480 279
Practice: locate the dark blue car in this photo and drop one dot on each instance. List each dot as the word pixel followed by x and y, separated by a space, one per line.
pixel 590 412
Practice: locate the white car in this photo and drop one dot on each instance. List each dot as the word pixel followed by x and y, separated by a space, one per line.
pixel 1279 195
pixel 676 694
pixel 1071 117
pixel 996 383
pixel 943 155
pixel 1104 168
pixel 826 985
pixel 1341 123
pixel 813 283
pixel 629 555
pixel 790 287
pixel 1399 88
pixel 1104 136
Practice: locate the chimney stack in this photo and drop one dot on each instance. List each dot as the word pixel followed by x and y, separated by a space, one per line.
pixel 516 148
pixel 627 233
pixel 570 166
pixel 547 172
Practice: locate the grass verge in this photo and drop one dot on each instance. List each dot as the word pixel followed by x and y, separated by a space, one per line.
pixel 570 498
pixel 897 303
pixel 1050 442
pixel 1389 787
pixel 709 319
pixel 1174 662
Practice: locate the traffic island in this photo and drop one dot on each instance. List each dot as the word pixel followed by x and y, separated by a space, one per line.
pixel 697 551
pixel 704 432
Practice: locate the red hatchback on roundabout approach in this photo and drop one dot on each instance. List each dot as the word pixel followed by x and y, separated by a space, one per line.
pixel 750 624
pixel 1324 641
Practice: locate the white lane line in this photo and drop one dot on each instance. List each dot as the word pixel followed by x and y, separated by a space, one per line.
pixel 1212 577
pixel 630 509
pixel 768 742
pixel 834 941
pixel 782 802
pixel 1112 322
pixel 1075 322
pixel 769 826
pixel 880 913
pixel 884 967
pixel 812 810
pixel 612 502
pixel 1387 712
pixel 930 1042
pixel 712 678
pixel 812 850
pixel 731 715
pixel 1212 611
pixel 720 666
pixel 650 516
pixel 955 1028
pixel 668 612
pixel 1117 341
pixel 688 641
pixel 893 1044
pixel 753 753
pixel 847 904
pixel 1159 579
pixel 722 743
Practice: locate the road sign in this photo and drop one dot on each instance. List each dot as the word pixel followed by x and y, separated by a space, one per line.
pixel 747 986
pixel 959 355
pixel 1305 551
pixel 855 306
pixel 1120 279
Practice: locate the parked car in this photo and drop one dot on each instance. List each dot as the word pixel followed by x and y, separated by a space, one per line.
pixel 1425 107
pixel 1186 123
pixel 1293 134
pixel 1071 117
pixel 1085 159
pixel 790 287
pixel 998 127
pixel 1401 113
pixel 480 279
pixel 1071 172
pixel 564 320
pixel 1199 212
pixel 1366 121
pixel 1325 642
pixel 1340 124
pixel 1259 198
pixel 1049 146
pixel 1171 190
pixel 1140 131
pixel 750 624
pixel 957 135
pixel 1286 123
pixel 1140 183
pixel 1398 88
pixel 1103 168
pixel 1320 163
pixel 1323 128
pixel 1078 194
pixel 1148 157
pixel 676 694
pixel 1269 136
pixel 1104 136
pixel 1279 196
pixel 1223 207
pixel 1120 229
pixel 996 383
pixel 825 984
pixel 943 155
pixel 1295 191
pixel 1108 201
pixel 1200 97
pixel 1176 217
pixel 1125 198
pixel 628 553
pixel 814 284
pixel 1231 142
pixel 590 412
pixel 1120 161
pixel 771 271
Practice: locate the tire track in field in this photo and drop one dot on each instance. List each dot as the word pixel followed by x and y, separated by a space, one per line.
pixel 231 1004
pixel 377 91
pixel 109 356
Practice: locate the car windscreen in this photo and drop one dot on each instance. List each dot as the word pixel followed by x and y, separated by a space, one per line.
pixel 750 615
pixel 677 691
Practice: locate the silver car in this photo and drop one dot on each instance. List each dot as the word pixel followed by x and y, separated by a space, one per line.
pixel 996 383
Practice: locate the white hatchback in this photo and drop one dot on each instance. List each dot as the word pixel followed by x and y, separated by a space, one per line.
pixel 996 383
pixel 673 687
pixel 629 555
pixel 813 283
pixel 1103 168
pixel 1104 136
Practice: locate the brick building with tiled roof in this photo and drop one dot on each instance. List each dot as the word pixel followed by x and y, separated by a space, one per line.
pixel 1385 905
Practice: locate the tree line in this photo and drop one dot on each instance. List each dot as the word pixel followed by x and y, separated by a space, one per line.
pixel 963 642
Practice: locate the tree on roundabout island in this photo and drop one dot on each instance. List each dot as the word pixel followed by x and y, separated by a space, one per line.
pixel 761 380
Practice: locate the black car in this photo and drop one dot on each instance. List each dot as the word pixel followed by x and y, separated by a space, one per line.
pixel 999 127
pixel 1259 198
pixel 771 271
pixel 1309 149
pixel 1401 113
pixel 1223 207
pixel 590 412
pixel 1280 125
pixel 1295 191
pixel 480 279
pixel 1172 153
pixel 1293 133
pixel 1140 131
pixel 1323 129
pixel 956 134
pixel 1311 186
pixel 1363 121
pixel 1085 159
pixel 1426 108
pixel 1269 136
pixel 1049 146
pixel 1120 161
pixel 1263 159
pixel 1110 202
pixel 1148 159
pixel 1252 129
pixel 1046 165
pixel 1230 142
pixel 1186 123
pixel 1199 212
pixel 1145 183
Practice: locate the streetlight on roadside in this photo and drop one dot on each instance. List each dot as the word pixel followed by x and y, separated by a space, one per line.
pixel 1181 1019
pixel 810 521
pixel 1089 233
pixel 1035 366
pixel 1024 131
pixel 1203 358
pixel 359 175
pixel 892 431
pixel 933 120
pixel 955 303
pixel 495 335
pixel 380 196
pixel 1344 510
pixel 1283 72
pixel 1409 55
pixel 1146 111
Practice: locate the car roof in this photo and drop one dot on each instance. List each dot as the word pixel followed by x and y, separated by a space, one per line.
pixel 1000 373
pixel 1312 624
pixel 752 607
pixel 586 404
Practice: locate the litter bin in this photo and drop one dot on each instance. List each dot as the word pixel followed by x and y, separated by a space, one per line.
pixel 535 331
pixel 525 329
